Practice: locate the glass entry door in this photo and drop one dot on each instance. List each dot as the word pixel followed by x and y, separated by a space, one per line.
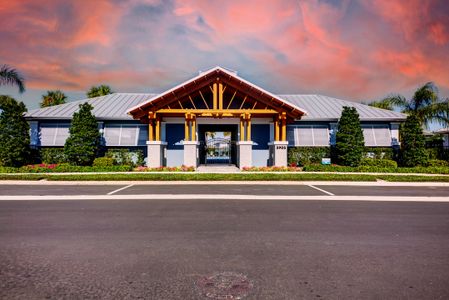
pixel 218 147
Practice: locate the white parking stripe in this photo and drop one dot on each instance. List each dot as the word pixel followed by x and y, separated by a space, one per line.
pixel 120 189
pixel 321 190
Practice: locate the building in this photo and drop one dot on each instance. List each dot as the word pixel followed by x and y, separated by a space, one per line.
pixel 215 117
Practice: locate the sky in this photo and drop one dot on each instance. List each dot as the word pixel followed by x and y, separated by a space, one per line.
pixel 359 50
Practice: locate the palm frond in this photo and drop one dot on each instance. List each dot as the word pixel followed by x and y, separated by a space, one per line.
pixel 10 76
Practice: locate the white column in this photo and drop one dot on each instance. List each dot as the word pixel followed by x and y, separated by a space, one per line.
pixel 278 153
pixel 156 154
pixel 191 153
pixel 245 153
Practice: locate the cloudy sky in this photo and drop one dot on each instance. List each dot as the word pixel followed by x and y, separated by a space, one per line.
pixel 358 50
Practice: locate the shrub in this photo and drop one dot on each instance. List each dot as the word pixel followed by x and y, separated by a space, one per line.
pixel 437 163
pixel 381 163
pixel 302 156
pixel 350 143
pixel 413 152
pixel 126 157
pixel 53 155
pixel 103 162
pixel 379 152
pixel 14 133
pixel 82 145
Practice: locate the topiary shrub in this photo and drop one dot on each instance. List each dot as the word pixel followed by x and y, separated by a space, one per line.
pixel 82 145
pixel 53 155
pixel 380 163
pixel 103 162
pixel 14 133
pixel 350 144
pixel 413 151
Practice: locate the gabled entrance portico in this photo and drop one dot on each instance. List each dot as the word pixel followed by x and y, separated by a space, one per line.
pixel 217 98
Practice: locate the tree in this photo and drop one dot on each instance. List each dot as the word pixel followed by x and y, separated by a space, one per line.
pixel 14 133
pixel 350 143
pixel 97 91
pixel 10 76
pixel 413 144
pixel 384 104
pixel 425 104
pixel 53 98
pixel 82 145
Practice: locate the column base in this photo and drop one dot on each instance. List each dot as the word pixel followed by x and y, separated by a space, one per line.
pixel 245 154
pixel 278 153
pixel 191 153
pixel 156 154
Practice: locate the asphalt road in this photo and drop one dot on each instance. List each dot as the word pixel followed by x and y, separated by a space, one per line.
pixel 155 249
pixel 224 189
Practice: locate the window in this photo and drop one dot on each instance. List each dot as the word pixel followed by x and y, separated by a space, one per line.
pixel 125 134
pixel 308 135
pixel 53 134
pixel 377 135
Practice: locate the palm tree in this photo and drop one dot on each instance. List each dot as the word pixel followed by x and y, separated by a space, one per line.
pixel 101 90
pixel 424 104
pixel 53 98
pixel 10 76
pixel 384 104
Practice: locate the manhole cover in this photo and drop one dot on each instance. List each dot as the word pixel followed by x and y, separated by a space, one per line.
pixel 225 285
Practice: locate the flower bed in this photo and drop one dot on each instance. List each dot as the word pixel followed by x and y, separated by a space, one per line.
pixel 63 168
pixel 165 169
pixel 271 169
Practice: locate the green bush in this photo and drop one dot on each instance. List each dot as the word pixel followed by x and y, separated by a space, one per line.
pixel 307 155
pixel 53 155
pixel 14 133
pixel 126 157
pixel 413 151
pixel 379 152
pixel 82 145
pixel 437 163
pixel 374 169
pixel 381 163
pixel 350 143
pixel 103 162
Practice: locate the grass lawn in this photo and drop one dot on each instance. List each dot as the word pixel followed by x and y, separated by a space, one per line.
pixel 224 177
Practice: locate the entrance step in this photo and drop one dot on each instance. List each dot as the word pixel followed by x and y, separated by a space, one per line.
pixel 217 169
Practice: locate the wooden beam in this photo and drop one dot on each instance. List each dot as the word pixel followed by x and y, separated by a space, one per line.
pixel 205 102
pixel 230 102
pixel 218 111
pixel 186 130
pixel 276 129
pixel 193 129
pixel 248 128
pixel 242 129
pixel 284 130
pixel 243 103
pixel 150 131
pixel 220 95
pixel 215 94
pixel 158 129
pixel 193 103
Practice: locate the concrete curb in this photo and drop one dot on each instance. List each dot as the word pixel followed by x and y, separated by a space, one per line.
pixel 213 197
pixel 277 183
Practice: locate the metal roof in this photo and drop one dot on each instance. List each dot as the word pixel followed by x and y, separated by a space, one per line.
pixel 115 107
pixel 324 108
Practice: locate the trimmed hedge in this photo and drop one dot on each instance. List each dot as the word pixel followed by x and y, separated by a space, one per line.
pixel 373 169
pixel 103 162
pixel 382 163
